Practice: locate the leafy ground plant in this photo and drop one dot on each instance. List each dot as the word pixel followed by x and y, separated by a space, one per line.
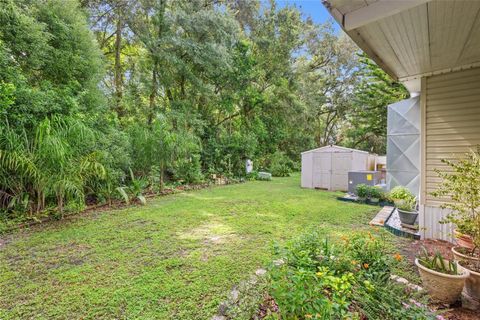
pixel 436 262
pixel 347 279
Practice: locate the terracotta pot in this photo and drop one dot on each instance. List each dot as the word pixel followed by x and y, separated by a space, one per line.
pixel 472 284
pixel 441 287
pixel 463 240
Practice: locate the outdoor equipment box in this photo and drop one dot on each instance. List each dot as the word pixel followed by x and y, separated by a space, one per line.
pixel 370 178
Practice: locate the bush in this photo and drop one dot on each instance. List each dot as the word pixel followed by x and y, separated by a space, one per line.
pixel 400 193
pixel 376 192
pixel 320 279
pixel 279 164
pixel 361 190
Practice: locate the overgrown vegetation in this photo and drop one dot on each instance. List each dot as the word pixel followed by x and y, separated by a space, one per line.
pixel 327 279
pixel 102 99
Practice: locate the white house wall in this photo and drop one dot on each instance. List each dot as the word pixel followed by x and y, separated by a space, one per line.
pixel 451 126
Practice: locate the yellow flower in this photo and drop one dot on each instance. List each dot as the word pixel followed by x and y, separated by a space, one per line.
pixel 354 262
pixel 365 265
pixel 308 316
pixel 397 257
pixel 319 274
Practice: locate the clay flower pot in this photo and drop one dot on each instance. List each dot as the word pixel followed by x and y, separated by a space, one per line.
pixel 442 287
pixel 463 240
pixel 472 284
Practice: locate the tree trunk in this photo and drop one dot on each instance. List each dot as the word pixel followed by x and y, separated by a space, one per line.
pixel 118 73
pixel 162 186
pixel 60 203
pixel 153 95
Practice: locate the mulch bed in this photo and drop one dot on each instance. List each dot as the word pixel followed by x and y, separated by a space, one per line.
pixel 410 251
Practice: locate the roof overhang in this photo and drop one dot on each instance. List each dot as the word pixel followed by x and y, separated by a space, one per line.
pixel 410 39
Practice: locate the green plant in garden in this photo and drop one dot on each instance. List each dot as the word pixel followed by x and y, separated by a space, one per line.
pixel 436 262
pixel 376 192
pixel 322 279
pixel 362 190
pixel 461 185
pixel 134 190
pixel 403 198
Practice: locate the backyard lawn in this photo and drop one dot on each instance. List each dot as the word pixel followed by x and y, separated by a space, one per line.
pixel 175 258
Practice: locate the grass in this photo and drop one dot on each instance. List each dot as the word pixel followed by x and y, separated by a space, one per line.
pixel 175 258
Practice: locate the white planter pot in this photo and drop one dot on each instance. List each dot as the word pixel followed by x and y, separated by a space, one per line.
pixel 441 287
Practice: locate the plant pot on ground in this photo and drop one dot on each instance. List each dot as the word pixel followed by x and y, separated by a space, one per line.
pixel 470 261
pixel 406 204
pixel 375 194
pixel 463 240
pixel 442 279
pixel 406 211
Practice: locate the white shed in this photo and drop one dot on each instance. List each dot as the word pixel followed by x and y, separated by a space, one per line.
pixel 328 167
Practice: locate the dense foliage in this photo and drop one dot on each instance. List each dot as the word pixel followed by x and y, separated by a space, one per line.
pixel 349 280
pixel 103 99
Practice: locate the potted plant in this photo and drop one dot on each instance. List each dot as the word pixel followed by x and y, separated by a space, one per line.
pixel 406 204
pixel 443 279
pixel 375 194
pixel 361 190
pixel 462 185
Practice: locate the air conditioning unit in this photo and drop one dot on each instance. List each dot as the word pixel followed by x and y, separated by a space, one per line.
pixel 370 178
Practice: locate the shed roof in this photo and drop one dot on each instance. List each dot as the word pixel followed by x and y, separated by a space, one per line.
pixel 332 146
pixel 413 38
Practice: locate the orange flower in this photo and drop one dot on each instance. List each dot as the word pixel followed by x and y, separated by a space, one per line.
pixel 370 235
pixel 397 257
pixel 365 265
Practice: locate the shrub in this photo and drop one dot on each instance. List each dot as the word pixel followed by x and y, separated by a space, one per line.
pixel 376 192
pixel 400 193
pixel 279 164
pixel 462 186
pixel 361 190
pixel 320 279
pixel 403 198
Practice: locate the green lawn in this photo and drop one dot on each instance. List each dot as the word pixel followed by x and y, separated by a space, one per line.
pixel 175 258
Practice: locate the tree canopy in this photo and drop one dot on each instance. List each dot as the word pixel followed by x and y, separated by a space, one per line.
pixel 96 94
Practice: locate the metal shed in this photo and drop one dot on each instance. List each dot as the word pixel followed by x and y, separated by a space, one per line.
pixel 327 167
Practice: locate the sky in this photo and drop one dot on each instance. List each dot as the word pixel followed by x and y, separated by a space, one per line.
pixel 313 8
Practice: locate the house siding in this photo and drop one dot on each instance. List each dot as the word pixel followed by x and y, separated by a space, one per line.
pixel 452 122
pixel 450 127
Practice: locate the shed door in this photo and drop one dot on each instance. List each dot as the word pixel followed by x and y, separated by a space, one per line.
pixel 322 165
pixel 341 164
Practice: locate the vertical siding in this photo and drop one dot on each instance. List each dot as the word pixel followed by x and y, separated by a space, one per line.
pixel 307 170
pixel 430 227
pixel 452 122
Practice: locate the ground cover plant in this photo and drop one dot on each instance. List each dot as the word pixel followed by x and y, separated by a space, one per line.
pixel 177 257
pixel 324 278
